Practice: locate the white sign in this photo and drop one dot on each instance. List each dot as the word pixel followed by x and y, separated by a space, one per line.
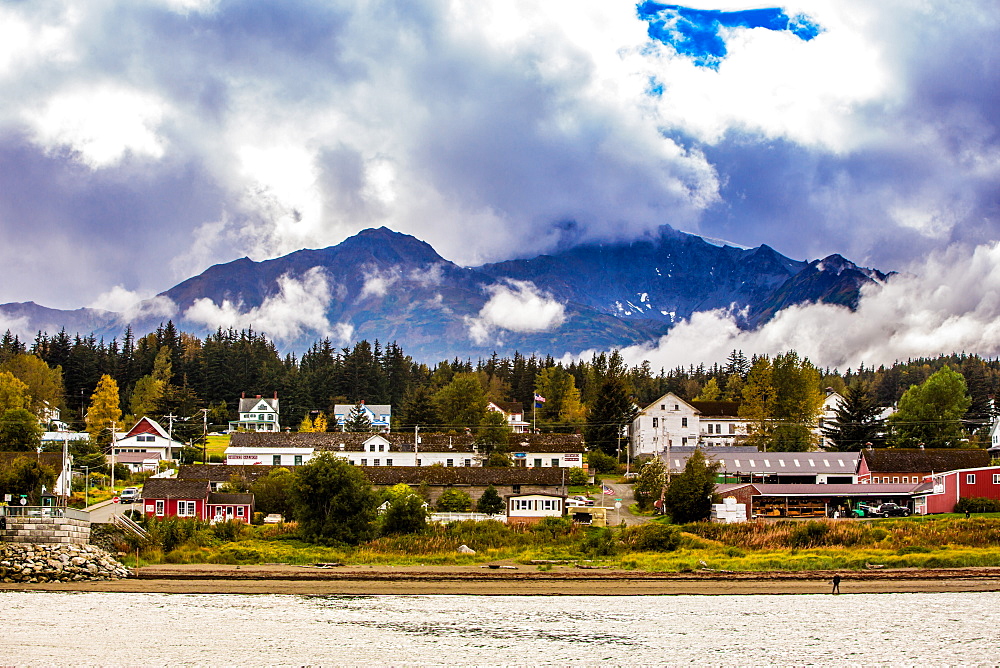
pixel 572 457
pixel 618 505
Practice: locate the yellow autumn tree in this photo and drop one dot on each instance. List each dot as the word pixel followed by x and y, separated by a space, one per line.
pixel 105 411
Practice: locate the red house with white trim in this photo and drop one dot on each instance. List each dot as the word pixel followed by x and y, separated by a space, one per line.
pixel 170 497
pixel 946 489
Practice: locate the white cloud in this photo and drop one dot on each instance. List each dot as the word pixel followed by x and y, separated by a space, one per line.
pixel 377 282
pixel 299 308
pixel 516 306
pixel 100 123
pixel 428 276
pixel 949 303
pixel 131 305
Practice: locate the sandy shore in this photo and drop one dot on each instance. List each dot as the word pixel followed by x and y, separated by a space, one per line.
pixel 521 580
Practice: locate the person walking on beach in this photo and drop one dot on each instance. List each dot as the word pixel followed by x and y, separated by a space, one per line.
pixel 836 584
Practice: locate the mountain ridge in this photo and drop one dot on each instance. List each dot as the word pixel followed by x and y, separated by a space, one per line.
pixel 395 287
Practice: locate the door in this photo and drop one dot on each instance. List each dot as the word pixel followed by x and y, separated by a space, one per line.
pixel 229 512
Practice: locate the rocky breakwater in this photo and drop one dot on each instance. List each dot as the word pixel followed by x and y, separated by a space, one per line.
pixel 57 563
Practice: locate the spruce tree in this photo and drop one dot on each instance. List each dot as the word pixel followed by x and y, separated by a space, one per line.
pixel 857 420
pixel 611 413
pixel 689 496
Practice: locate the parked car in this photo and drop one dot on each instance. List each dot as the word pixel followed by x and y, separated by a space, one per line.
pixel 274 518
pixel 892 510
pixel 587 501
pixel 129 495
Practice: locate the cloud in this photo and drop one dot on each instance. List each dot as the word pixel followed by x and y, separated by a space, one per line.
pixel 377 282
pixel 210 130
pixel 948 303
pixel 131 306
pixel 428 276
pixel 516 306
pixel 298 309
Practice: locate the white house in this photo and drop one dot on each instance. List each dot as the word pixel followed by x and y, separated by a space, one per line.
pixel 514 412
pixel 380 415
pixel 149 441
pixel 669 421
pixel 719 423
pixel 831 403
pixel 257 414
pixel 533 507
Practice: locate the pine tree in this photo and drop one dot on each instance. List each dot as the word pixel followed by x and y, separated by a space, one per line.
pixel 611 413
pixel 490 502
pixel 357 420
pixel 857 422
pixel 689 496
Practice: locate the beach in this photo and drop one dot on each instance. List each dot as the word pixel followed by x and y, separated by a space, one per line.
pixel 506 579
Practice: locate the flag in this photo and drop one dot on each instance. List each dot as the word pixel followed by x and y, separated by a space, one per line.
pixel 539 399
pixel 607 490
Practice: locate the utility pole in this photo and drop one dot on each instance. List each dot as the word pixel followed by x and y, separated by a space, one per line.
pixel 204 452
pixel 170 425
pixel 416 444
pixel 113 439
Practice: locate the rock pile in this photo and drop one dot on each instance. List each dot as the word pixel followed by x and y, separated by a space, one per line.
pixel 57 563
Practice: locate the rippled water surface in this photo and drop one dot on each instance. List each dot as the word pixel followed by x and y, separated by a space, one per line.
pixel 42 628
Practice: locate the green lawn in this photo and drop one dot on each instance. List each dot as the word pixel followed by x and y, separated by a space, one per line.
pixel 217 445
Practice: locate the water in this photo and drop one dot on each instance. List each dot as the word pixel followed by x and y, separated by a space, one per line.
pixel 43 628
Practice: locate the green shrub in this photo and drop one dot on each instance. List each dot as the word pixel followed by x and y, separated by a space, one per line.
pixel 977 505
pixel 577 476
pixel 454 501
pixel 230 531
pixel 810 534
pixel 602 463
pixel 600 543
pixel 653 537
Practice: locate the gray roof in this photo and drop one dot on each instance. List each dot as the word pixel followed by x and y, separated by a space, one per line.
pixel 779 463
pixel 915 460
pixel 403 441
pixel 477 476
pixel 247 404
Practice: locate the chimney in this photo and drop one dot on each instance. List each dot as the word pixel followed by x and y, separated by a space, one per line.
pixel 243 395
pixel 258 396
pixel 275 394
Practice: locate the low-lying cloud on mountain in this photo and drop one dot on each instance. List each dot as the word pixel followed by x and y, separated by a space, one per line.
pixel 948 303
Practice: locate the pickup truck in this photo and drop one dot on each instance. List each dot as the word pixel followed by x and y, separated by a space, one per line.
pixel 129 495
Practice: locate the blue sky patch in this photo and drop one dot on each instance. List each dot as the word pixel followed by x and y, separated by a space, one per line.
pixel 695 32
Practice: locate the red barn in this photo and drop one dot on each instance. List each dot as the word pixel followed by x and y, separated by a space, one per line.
pixel 170 497
pixel 948 488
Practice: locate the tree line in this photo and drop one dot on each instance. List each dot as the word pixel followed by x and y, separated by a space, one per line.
pixel 169 372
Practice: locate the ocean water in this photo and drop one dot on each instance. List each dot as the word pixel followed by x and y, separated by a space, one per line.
pixel 112 629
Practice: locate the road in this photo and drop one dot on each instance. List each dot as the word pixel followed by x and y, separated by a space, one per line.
pixel 100 513
pixel 623 492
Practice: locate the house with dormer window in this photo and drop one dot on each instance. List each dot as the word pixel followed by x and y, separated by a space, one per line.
pixel 513 411
pixel 145 445
pixel 257 414
pixel 380 415
pixel 667 422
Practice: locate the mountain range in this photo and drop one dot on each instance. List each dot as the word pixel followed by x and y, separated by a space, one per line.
pixel 381 284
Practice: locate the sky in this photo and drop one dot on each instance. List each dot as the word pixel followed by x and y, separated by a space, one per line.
pixel 142 141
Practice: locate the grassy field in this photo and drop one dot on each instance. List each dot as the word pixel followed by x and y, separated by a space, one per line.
pixel 936 542
pixel 217 445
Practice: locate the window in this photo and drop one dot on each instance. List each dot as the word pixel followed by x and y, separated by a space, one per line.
pixel 276 460
pixel 185 508
pixel 159 507
pixel 684 422
pixel 468 462
pixel 378 462
pixel 895 480
pixel 996 478
pixel 970 478
pixel 450 462
pixel 381 447
pixel 239 511
pixel 546 504
pixel 298 460
pixel 418 462
pixel 388 462
pixel 538 463
pixel 515 489
pixel 684 440
pixel 656 423
pixel 364 462
pixel 906 479
pixel 555 462
pixel 663 407
pixel 371 448
pixel 732 428
pixel 710 427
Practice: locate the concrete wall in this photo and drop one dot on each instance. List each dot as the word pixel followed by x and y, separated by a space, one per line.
pixel 46 530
